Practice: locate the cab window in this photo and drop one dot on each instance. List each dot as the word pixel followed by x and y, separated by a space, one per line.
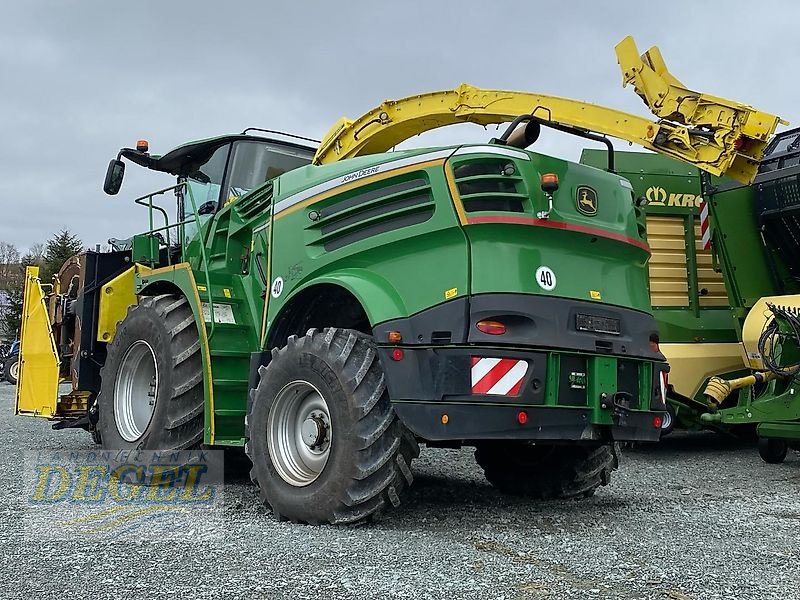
pixel 205 184
pixel 255 162
pixel 206 181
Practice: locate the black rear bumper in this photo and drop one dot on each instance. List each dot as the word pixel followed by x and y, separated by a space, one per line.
pixel 577 385
pixel 466 422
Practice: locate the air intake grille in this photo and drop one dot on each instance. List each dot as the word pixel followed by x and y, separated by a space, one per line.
pixel 251 204
pixel 391 206
pixel 490 185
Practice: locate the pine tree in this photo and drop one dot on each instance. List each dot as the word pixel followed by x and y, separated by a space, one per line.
pixel 59 248
pixel 11 317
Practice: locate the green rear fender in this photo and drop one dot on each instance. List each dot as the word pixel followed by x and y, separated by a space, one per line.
pixel 377 296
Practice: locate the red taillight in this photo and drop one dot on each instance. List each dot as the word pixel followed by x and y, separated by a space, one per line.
pixel 522 417
pixel 398 354
pixel 657 421
pixel 491 327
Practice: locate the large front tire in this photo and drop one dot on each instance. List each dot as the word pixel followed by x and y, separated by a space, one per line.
pixel 325 442
pixel 151 391
pixel 547 471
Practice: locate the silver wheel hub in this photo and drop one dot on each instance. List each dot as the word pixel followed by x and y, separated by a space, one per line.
pixel 299 433
pixel 314 431
pixel 136 391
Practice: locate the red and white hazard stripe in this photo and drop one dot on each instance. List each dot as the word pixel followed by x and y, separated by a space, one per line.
pixel 498 376
pixel 705 230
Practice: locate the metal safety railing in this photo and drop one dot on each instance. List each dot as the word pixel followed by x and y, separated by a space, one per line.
pixel 178 189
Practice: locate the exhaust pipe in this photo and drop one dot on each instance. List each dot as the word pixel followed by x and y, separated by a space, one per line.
pixel 524 135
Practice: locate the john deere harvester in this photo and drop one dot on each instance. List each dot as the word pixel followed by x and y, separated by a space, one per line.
pixel 331 308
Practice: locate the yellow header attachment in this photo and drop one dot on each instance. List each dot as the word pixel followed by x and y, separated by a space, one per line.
pixel 735 132
pixel 716 135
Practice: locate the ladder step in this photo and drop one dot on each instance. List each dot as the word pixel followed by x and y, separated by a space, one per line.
pixel 217 299
pixel 229 326
pixel 230 383
pixel 229 412
pixel 230 353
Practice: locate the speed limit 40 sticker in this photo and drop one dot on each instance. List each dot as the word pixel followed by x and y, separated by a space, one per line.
pixel 546 278
pixel 277 287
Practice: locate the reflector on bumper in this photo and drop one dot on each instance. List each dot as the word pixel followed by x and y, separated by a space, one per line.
pixel 498 376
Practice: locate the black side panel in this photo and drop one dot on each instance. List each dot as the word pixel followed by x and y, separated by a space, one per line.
pixel 628 381
pixel 442 324
pixel 98 268
pixel 436 375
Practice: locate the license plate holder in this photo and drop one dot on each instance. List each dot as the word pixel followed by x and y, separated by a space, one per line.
pixel 597 324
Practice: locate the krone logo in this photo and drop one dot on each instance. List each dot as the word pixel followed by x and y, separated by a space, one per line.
pixel 586 201
pixel 656 195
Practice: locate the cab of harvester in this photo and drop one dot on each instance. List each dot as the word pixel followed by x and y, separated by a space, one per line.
pixel 71 320
pixel 330 311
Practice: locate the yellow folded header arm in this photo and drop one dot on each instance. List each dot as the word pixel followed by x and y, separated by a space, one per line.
pixel 717 135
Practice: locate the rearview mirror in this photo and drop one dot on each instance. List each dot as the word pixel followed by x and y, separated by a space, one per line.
pixel 114 175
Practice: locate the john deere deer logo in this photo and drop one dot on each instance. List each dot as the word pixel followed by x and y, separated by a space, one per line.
pixel 586 201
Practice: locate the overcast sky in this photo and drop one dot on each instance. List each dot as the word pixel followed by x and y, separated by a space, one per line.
pixel 80 79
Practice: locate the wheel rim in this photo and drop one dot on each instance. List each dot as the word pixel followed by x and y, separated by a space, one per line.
pixel 136 391
pixel 299 433
pixel 666 420
pixel 14 370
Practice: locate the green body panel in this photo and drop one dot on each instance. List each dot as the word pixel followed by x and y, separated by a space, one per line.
pixel 749 273
pixel 506 256
pixel 712 324
pixel 393 274
pixel 673 188
pixel 260 252
pixel 144 249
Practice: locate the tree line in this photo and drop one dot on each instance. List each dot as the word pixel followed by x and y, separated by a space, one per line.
pixel 48 256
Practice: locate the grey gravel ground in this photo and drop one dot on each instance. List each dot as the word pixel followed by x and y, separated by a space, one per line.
pixel 696 518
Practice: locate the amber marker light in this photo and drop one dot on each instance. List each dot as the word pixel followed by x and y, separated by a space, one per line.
pixel 142 145
pixel 549 182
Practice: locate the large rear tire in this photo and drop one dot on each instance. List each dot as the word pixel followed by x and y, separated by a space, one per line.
pixel 325 442
pixel 547 471
pixel 151 392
